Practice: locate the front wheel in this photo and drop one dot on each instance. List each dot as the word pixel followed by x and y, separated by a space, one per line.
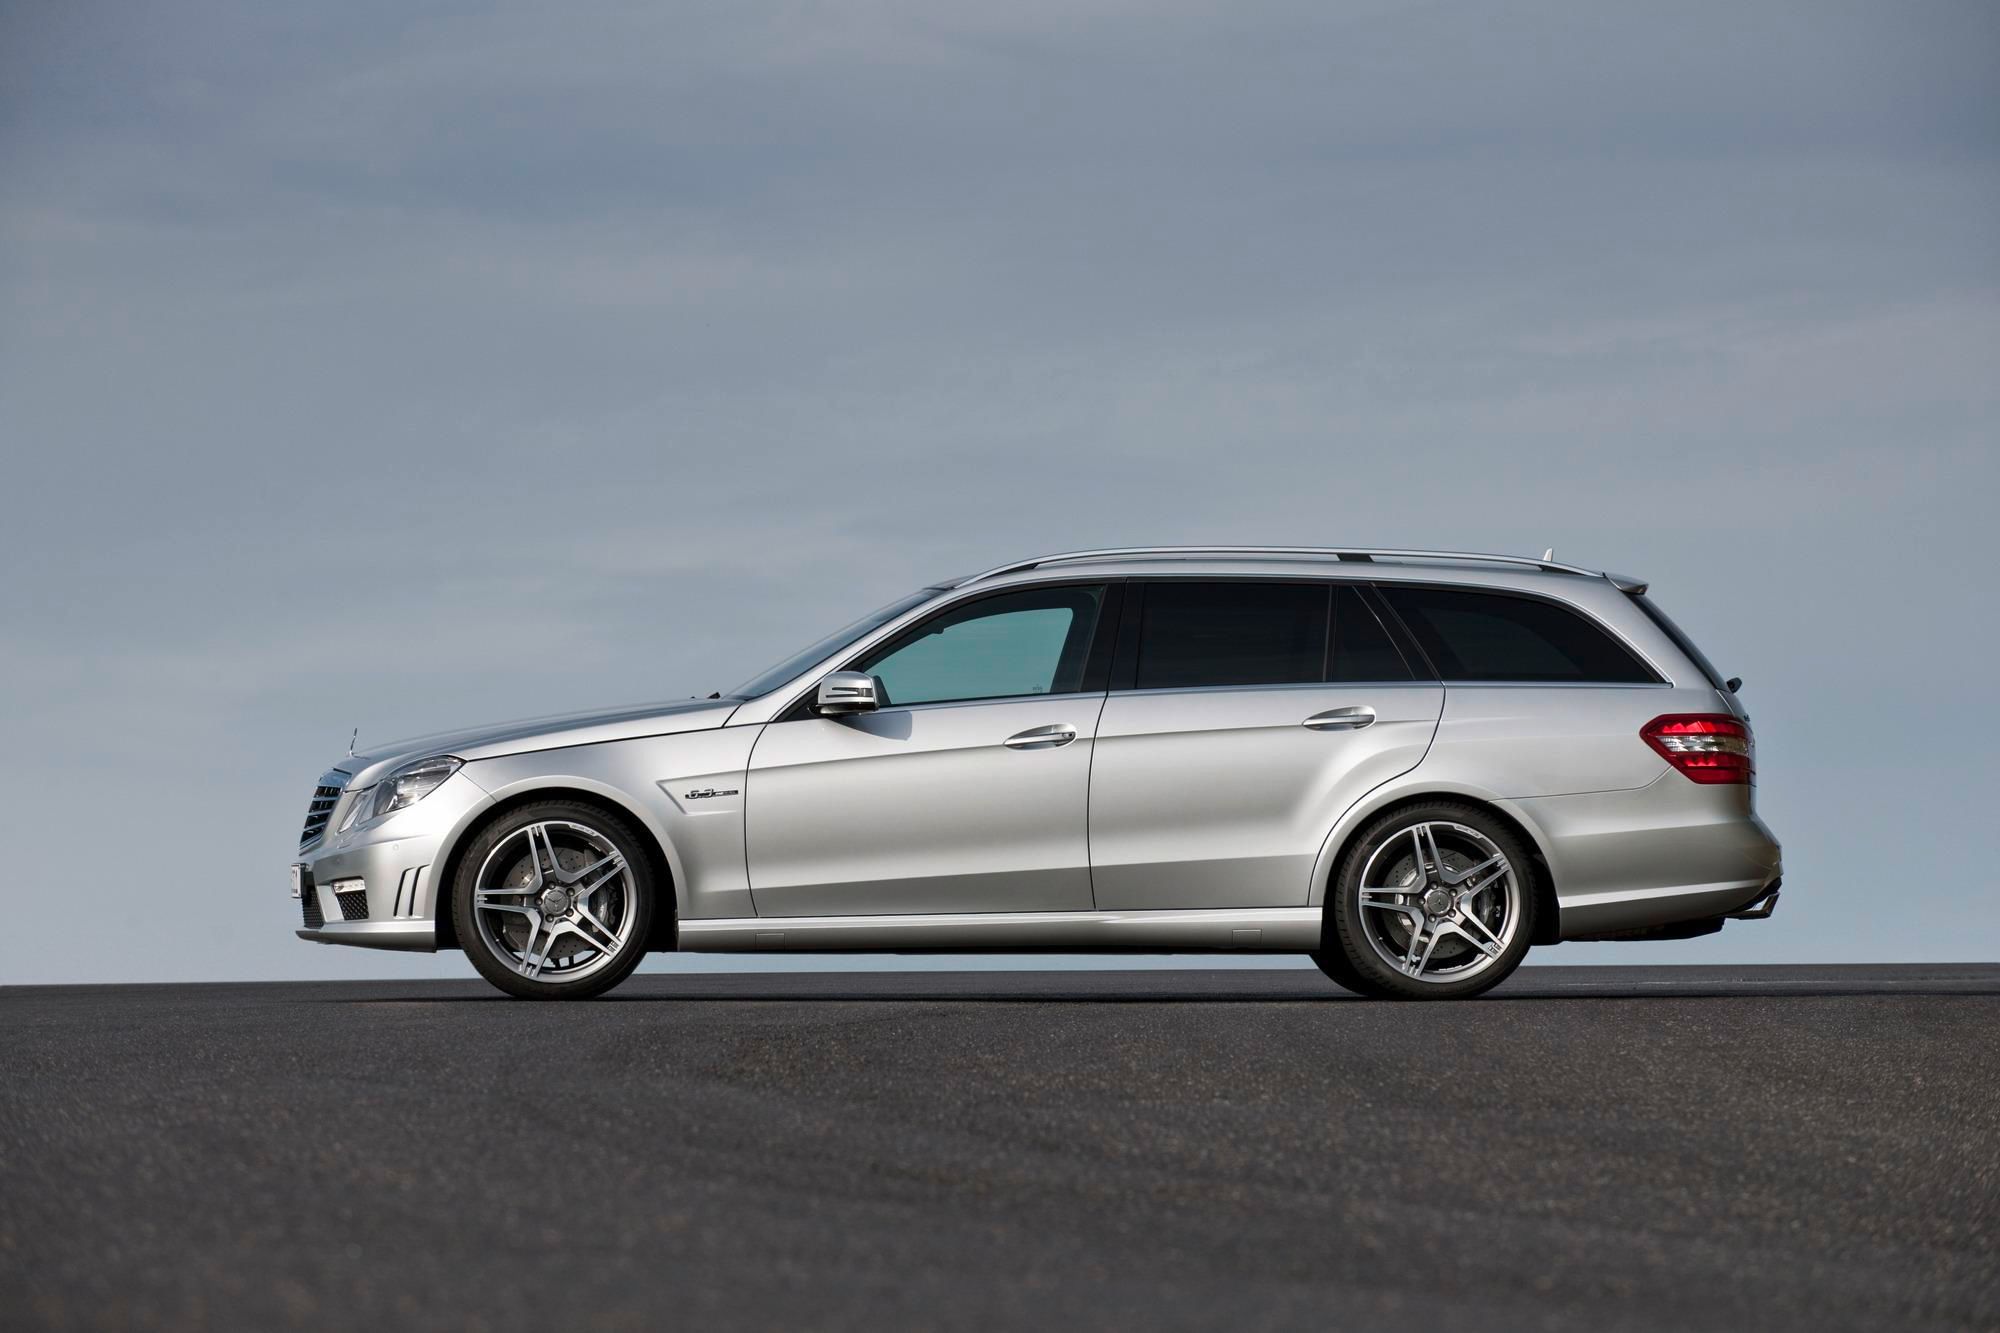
pixel 1433 902
pixel 554 901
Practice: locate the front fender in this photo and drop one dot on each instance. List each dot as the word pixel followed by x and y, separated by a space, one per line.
pixel 683 791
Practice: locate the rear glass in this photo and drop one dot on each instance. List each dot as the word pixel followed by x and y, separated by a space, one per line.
pixel 1495 637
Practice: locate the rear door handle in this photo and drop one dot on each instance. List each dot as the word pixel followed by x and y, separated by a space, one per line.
pixel 1042 738
pixel 1341 719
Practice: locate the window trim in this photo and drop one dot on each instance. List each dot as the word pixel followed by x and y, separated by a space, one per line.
pixel 1643 660
pixel 1317 686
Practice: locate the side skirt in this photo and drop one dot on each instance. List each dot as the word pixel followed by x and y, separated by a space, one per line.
pixel 1258 929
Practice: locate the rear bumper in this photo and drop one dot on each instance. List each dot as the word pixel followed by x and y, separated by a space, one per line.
pixel 1760 907
pixel 1670 852
pixel 1687 928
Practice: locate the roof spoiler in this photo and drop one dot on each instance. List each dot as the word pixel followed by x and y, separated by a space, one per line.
pixel 1626 584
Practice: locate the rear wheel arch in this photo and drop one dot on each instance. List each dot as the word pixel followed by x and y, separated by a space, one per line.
pixel 1548 926
pixel 666 918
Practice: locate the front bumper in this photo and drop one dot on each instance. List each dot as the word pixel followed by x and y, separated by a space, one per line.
pixel 376 886
pixel 409 936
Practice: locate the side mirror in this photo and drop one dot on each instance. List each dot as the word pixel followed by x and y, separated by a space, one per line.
pixel 844 692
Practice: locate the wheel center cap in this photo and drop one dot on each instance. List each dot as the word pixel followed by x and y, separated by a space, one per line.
pixel 554 902
pixel 1436 902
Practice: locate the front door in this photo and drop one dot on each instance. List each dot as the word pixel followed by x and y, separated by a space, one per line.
pixel 967 791
pixel 1253 715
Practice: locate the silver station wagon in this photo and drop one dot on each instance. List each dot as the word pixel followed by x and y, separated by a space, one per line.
pixel 1411 766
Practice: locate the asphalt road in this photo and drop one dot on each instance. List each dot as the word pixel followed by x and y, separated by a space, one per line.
pixel 1809 1148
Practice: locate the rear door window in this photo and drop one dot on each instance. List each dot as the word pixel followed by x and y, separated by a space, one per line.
pixel 1487 636
pixel 1232 633
pixel 1362 648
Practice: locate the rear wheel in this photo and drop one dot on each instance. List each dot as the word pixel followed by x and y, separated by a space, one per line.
pixel 1432 902
pixel 554 901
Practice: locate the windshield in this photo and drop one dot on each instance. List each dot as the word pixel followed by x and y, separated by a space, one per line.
pixel 831 644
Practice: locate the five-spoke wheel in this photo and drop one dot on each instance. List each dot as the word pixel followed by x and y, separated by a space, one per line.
pixel 1431 902
pixel 554 901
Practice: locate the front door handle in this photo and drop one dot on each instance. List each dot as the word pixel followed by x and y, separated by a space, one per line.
pixel 1341 719
pixel 1042 738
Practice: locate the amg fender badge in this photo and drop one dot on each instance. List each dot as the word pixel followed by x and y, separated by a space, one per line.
pixel 703 793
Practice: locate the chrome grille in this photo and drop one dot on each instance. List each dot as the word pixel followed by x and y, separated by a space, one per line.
pixel 320 808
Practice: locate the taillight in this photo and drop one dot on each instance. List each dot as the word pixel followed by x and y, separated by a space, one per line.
pixel 1710 748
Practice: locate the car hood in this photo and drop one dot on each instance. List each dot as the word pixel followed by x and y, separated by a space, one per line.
pixel 544 733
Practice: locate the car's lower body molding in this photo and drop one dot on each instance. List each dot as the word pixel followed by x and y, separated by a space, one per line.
pixel 1260 929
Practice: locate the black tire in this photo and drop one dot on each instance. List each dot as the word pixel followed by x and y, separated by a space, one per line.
pixel 569 821
pixel 1354 952
pixel 1334 963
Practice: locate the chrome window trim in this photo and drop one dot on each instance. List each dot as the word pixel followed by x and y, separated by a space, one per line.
pixel 1557 684
pixel 1299 685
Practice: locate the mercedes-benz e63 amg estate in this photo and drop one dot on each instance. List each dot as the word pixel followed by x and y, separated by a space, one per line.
pixel 1411 766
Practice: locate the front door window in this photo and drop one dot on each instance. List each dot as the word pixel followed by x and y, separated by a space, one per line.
pixel 1024 643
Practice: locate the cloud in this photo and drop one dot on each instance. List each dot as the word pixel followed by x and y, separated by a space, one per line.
pixel 405 368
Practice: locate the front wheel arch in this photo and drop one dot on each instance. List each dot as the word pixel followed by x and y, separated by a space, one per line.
pixel 666 916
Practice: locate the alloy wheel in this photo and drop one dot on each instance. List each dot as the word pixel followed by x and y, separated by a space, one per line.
pixel 1439 902
pixel 554 901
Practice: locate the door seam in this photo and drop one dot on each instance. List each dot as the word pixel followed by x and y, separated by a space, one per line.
pixel 1090 777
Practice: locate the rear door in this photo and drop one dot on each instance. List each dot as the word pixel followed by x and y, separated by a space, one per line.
pixel 1245 716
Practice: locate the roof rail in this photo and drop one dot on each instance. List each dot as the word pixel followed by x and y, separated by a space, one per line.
pixel 1354 554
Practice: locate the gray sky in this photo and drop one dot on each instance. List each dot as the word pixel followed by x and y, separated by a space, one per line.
pixel 405 366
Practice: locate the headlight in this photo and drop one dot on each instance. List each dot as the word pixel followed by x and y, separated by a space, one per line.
pixel 406 786
pixel 357 809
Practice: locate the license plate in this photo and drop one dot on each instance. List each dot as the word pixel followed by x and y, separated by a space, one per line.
pixel 296 872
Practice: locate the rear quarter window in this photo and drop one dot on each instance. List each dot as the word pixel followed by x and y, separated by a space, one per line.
pixel 1681 641
pixel 1488 636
